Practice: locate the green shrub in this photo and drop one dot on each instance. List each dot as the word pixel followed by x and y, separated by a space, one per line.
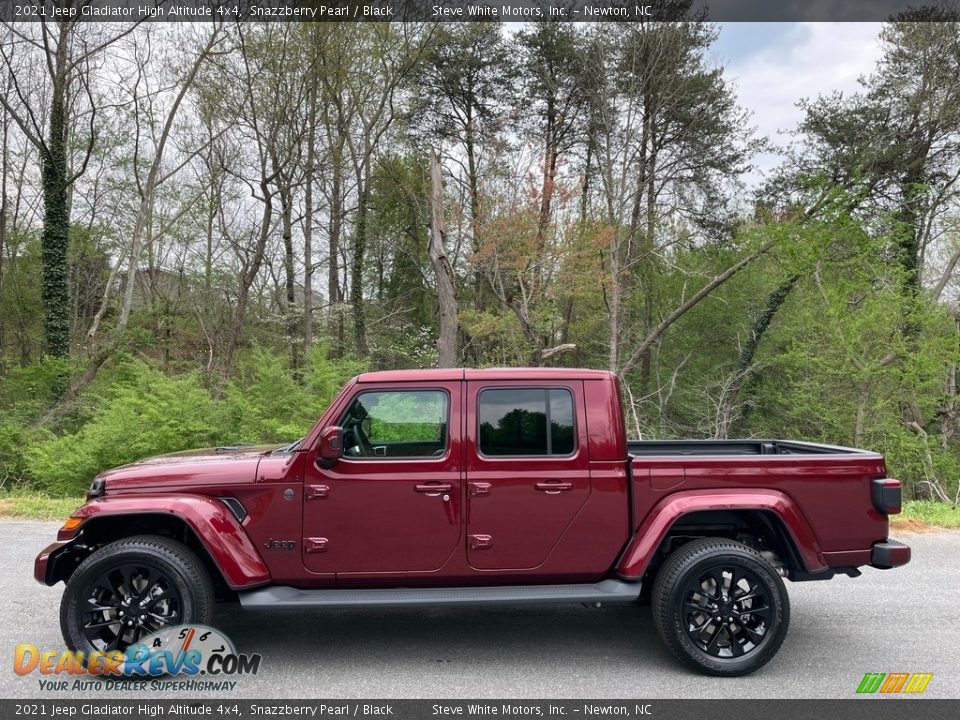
pixel 266 404
pixel 133 410
pixel 26 391
pixel 148 413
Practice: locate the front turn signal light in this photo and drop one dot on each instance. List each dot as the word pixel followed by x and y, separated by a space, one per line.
pixel 72 523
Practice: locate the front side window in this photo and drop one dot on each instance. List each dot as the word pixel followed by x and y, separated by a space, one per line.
pixel 526 421
pixel 396 424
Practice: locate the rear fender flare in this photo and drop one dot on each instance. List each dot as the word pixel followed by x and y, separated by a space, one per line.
pixel 217 529
pixel 643 546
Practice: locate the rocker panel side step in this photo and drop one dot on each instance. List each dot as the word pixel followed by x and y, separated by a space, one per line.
pixel 282 597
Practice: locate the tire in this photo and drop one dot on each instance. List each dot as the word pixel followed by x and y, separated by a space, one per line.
pixel 719 578
pixel 148 580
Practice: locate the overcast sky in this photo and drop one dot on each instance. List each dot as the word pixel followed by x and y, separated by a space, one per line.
pixel 773 65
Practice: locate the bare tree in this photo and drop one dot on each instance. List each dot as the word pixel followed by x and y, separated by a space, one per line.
pixel 310 173
pixel 666 134
pixel 147 187
pixel 370 63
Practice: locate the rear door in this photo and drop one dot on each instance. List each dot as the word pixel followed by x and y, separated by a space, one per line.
pixel 391 504
pixel 527 469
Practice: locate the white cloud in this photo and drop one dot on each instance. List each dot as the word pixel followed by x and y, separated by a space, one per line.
pixel 813 59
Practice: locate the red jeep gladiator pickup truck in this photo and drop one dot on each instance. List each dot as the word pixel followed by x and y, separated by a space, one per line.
pixel 467 487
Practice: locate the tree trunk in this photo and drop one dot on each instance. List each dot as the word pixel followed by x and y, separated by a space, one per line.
pixel 359 260
pixel 549 177
pixel 290 281
pixel 473 185
pixel 863 397
pixel 645 244
pixel 585 190
pixel 4 163
pixel 333 272
pixel 55 238
pixel 614 307
pixel 308 227
pixel 247 278
pixel 446 284
pixel 909 248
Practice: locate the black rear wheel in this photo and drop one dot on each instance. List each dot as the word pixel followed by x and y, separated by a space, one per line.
pixel 720 607
pixel 131 588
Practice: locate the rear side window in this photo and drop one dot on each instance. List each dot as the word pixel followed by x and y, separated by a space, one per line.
pixel 526 421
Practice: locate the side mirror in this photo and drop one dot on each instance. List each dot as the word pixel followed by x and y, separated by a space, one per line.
pixel 331 445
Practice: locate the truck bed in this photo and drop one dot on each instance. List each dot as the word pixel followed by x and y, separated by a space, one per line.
pixel 824 481
pixel 713 448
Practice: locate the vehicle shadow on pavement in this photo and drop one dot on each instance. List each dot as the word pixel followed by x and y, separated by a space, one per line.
pixel 464 636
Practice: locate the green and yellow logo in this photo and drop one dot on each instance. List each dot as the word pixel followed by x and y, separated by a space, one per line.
pixel 892 683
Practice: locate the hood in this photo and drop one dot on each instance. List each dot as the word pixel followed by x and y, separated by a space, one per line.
pixel 188 469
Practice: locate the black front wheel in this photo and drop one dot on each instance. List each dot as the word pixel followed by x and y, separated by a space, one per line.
pixel 720 607
pixel 131 588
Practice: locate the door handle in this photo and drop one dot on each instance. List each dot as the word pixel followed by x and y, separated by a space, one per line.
pixel 317 492
pixel 479 488
pixel 480 542
pixel 554 487
pixel 315 545
pixel 433 489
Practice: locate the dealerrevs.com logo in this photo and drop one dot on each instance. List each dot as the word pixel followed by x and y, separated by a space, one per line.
pixel 894 683
pixel 182 651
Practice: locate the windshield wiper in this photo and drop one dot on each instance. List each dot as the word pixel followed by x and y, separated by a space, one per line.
pixel 288 448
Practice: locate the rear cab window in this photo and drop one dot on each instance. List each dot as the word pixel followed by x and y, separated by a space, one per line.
pixel 526 422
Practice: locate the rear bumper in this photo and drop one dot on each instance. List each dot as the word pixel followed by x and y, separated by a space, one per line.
pixel 889 554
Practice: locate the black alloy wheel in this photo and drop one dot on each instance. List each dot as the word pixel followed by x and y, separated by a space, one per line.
pixel 131 588
pixel 127 602
pixel 720 607
pixel 727 611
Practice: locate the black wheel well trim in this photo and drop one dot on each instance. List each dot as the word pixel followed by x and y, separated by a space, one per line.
pixel 93 534
pixel 694 524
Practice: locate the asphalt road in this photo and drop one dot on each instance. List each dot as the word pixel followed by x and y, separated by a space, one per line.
pixel 904 620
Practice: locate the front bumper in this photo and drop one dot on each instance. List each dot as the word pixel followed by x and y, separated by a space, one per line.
pixel 45 562
pixel 889 554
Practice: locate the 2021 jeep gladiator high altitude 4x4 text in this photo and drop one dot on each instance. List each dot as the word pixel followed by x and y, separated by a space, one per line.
pixel 458 487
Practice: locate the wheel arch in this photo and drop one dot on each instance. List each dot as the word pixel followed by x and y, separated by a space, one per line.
pixel 767 521
pixel 761 529
pixel 108 528
pixel 204 525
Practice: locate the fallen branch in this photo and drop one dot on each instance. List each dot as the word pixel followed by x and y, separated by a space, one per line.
pixel 679 312
pixel 550 352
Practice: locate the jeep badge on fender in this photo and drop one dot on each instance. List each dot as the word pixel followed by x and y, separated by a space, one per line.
pixel 272 544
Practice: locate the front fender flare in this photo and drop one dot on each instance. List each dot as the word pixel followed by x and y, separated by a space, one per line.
pixel 217 529
pixel 640 550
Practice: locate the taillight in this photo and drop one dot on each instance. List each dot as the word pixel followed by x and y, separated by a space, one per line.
pixel 885 494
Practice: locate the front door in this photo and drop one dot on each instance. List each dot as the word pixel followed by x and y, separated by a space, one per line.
pixel 391 504
pixel 527 470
